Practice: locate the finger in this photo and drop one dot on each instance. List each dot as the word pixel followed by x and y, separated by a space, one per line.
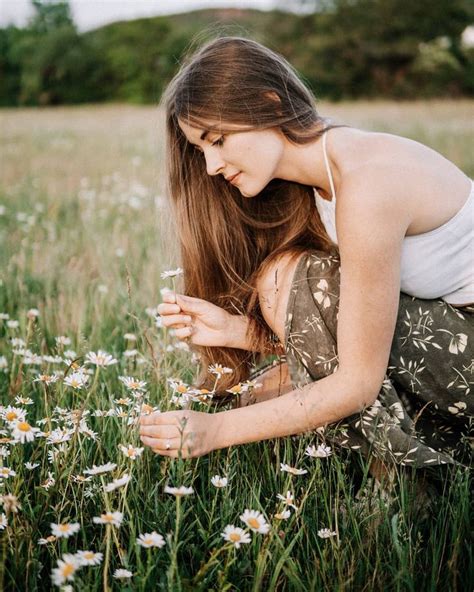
pixel 173 320
pixel 183 332
pixel 169 296
pixel 162 431
pixel 161 443
pixel 151 418
pixel 168 453
pixel 168 309
pixel 189 304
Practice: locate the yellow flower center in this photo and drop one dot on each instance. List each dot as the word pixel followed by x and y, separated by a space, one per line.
pixel 147 408
pixel 131 452
pixel 11 415
pixel 74 383
pixel 148 541
pixel 134 385
pixel 107 517
pixel 234 537
pixel 64 527
pixel 4 471
pixel 89 555
pixel 68 570
pixel 253 523
pixel 181 388
pixel 24 426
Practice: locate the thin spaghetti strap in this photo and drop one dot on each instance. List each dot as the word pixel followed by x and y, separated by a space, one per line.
pixel 327 166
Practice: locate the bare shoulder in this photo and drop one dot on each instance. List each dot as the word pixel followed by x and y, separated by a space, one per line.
pixel 404 174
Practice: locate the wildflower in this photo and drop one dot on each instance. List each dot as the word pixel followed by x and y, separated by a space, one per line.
pixel 325 533
pixel 171 273
pixel 235 535
pixel 219 481
pixel 114 518
pixel 288 499
pixel 98 470
pixel 151 539
pixel 10 503
pixel 13 324
pixel 130 353
pixel 5 472
pixel 219 370
pixel 292 470
pixel 11 414
pixel 31 466
pixel 178 385
pixel 80 479
pixel 238 389
pixel 70 354
pixel 321 451
pixel 100 359
pixel 3 521
pixel 255 521
pixel 132 383
pixel 49 482
pixel 46 378
pixel 4 316
pixel 89 558
pixel 283 515
pixel 64 530
pixel 3 363
pixel 47 540
pixel 23 400
pixel 66 569
pixel 33 313
pixel 130 337
pixel 122 574
pixel 130 451
pixel 179 491
pixel 4 452
pixel 123 401
pixel 77 380
pixel 59 435
pixel 116 483
pixel 62 340
pixel 23 432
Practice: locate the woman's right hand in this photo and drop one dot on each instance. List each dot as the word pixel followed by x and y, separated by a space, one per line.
pixel 201 321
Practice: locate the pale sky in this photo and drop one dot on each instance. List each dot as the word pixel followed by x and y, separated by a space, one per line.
pixel 90 14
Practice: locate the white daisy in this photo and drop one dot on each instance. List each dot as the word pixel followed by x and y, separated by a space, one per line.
pixel 6 472
pixel 46 378
pixel 133 383
pixel 98 470
pixel 171 273
pixel 64 530
pixel 219 481
pixel 89 557
pixel 235 535
pixel 283 515
pixel 100 359
pixel 31 466
pixel 325 533
pixel 66 569
pixel 120 574
pixel 4 451
pixel 3 521
pixel 130 451
pixel 151 539
pixel 23 432
pixel 114 518
pixel 321 451
pixel 219 370
pixel 77 380
pixel 179 491
pixel 116 483
pixel 292 470
pixel 288 499
pixel 255 521
pixel 11 414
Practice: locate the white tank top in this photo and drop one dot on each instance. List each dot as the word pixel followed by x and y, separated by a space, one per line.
pixel 435 264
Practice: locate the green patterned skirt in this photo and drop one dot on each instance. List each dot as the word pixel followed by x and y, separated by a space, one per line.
pixel 423 415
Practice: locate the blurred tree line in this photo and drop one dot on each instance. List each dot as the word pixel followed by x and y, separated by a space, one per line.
pixel 344 49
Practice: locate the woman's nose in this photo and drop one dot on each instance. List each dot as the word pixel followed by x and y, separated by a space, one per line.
pixel 214 163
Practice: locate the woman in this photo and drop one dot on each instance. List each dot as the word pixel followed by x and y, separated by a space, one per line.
pixel 349 251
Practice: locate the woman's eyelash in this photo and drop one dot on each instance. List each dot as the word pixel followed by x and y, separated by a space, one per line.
pixel 218 142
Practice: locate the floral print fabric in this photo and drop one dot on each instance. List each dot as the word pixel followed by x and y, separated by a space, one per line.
pixel 423 415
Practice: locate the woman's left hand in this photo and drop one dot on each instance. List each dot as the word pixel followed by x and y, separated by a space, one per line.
pixel 192 432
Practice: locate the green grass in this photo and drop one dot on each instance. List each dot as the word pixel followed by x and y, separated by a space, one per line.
pixel 77 185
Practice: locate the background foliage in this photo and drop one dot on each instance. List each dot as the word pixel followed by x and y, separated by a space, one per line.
pixel 345 49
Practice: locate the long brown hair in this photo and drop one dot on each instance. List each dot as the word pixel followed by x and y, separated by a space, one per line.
pixel 226 240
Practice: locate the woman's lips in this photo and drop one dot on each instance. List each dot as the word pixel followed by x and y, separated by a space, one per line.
pixel 233 179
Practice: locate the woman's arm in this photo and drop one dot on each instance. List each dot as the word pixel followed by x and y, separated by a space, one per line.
pixel 274 382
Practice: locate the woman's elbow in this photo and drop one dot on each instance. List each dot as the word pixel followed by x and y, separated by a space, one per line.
pixel 364 388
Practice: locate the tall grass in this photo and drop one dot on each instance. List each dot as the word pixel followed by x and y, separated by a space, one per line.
pixel 82 240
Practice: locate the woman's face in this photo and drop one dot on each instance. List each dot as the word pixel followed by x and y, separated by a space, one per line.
pixel 249 160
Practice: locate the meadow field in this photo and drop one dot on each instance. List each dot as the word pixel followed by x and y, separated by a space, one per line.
pixel 85 234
